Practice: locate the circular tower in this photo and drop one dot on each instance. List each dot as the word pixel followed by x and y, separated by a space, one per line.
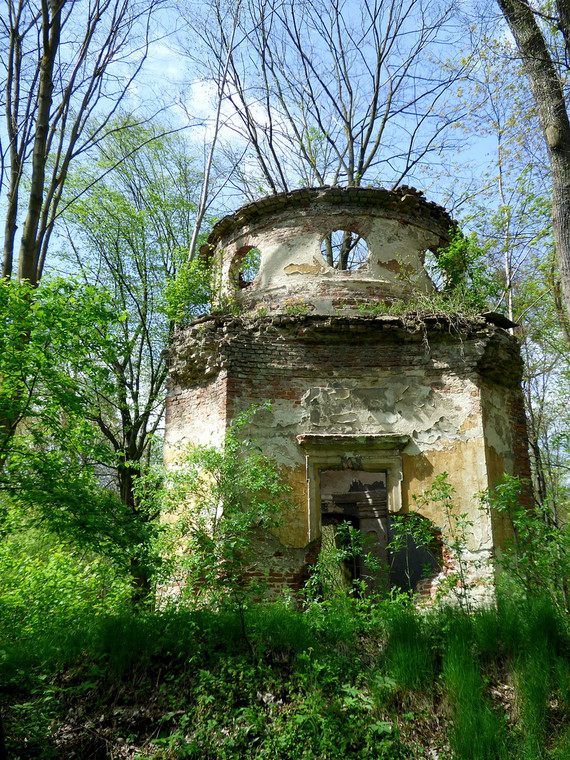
pixel 369 403
pixel 324 249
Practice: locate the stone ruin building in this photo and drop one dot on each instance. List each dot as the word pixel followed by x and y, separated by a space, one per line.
pixel 369 404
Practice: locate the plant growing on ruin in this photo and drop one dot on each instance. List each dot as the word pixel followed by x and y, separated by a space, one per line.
pixel 408 532
pixel 462 272
pixel 297 306
pixel 465 284
pixel 331 576
pixel 455 570
pixel 220 498
pixel 337 575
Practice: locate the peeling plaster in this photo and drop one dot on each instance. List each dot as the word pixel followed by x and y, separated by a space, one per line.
pixel 411 408
pixel 315 268
pixel 409 398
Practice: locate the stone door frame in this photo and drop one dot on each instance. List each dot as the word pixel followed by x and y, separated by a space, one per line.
pixel 369 453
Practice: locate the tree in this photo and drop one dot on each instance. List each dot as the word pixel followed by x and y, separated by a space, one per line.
pixel 49 345
pixel 330 92
pixel 67 64
pixel 542 36
pixel 130 234
pixel 505 200
pixel 44 345
pixel 82 365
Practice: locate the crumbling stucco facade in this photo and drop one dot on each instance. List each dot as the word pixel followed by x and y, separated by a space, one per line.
pixel 367 407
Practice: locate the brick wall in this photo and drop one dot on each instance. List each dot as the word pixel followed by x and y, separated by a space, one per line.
pixel 353 375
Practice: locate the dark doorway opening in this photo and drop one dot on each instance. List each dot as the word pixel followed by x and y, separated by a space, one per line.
pixel 359 499
pixel 397 551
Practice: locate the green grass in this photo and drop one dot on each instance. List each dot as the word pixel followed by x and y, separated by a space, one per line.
pixel 477 730
pixel 182 683
pixel 84 676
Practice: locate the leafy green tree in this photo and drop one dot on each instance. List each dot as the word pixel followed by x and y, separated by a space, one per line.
pixel 464 275
pixel 66 65
pixel 47 583
pixel 55 339
pixel 505 201
pixel 83 368
pixel 46 339
pixel 130 234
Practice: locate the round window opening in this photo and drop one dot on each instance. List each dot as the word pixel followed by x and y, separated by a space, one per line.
pixel 345 250
pixel 245 267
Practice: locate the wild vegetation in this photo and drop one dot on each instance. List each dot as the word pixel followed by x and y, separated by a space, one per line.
pixel 110 174
pixel 338 676
pixel 334 672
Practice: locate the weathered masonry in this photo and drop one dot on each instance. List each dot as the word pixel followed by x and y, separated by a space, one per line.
pixel 368 407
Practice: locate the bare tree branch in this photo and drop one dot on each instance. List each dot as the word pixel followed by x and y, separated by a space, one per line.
pixel 67 65
pixel 332 92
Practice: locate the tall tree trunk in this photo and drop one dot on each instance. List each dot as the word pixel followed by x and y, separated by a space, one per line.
pixel 141 582
pixel 546 87
pixel 28 266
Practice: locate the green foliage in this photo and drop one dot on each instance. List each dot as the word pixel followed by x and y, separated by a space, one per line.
pixel 88 364
pixel 56 489
pixel 466 284
pixel 48 337
pixel 537 556
pixel 330 577
pixel 540 669
pixel 132 229
pixel 188 294
pixel 296 305
pixel 58 342
pixel 47 585
pixel 478 733
pixel 409 531
pixel 459 578
pixel 464 272
pixel 408 656
pixel 220 499
pixel 183 683
pixel 331 582
pixel 249 266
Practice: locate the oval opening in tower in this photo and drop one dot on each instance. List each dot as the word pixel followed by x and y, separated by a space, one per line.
pixel 345 250
pixel 245 266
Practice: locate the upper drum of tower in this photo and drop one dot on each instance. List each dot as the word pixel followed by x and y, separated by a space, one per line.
pixel 321 248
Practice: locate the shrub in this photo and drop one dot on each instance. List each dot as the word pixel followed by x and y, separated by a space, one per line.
pixel 219 499
pixel 537 557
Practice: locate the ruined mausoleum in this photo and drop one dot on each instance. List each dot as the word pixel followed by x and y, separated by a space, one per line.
pixel 368 404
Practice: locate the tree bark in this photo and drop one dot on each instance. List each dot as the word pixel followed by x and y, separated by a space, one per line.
pixel 28 264
pixel 548 93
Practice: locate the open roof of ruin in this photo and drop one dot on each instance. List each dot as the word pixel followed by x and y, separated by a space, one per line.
pixel 404 203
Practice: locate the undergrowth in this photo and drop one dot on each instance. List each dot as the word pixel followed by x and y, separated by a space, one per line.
pixel 389 683
pixel 325 676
